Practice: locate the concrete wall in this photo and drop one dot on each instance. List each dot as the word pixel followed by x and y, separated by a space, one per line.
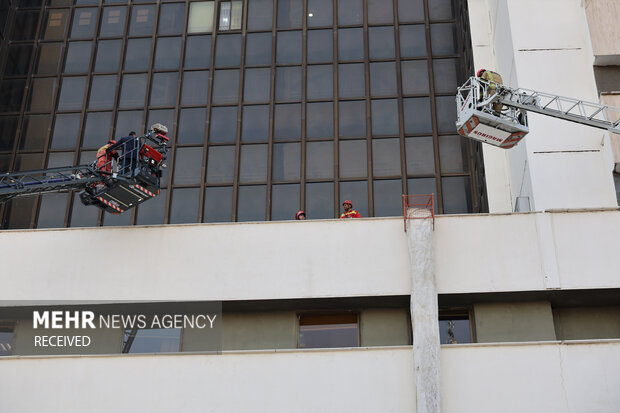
pixel 512 322
pixel 603 18
pixel 582 323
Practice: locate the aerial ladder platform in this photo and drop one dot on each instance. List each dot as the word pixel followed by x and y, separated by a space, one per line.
pixel 478 118
pixel 114 186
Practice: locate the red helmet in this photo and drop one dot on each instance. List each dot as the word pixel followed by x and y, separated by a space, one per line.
pixel 300 213
pixel 480 72
pixel 347 202
pixel 112 141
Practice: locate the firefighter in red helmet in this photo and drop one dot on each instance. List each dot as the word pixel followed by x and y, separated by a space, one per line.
pixel 105 155
pixel 301 215
pixel 349 212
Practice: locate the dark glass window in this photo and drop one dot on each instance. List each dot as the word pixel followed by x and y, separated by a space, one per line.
pixel 84 21
pixel 320 120
pixel 164 89
pixel 71 93
pixel 113 22
pixel 443 39
pixel 388 198
pixel 253 164
pixel 60 159
pixel 133 91
pixel 19 212
pixel 258 49
pixel 228 50
pixel 97 130
pixel 384 117
pixel 187 166
pixel 284 201
pixel 446 113
pixel 445 72
pixel 200 17
pixel 171 18
pixel 383 79
pixel 380 11
pixel 195 88
pixel 351 81
pixel 42 95
pixel 320 46
pixel 34 132
pixel 412 10
pixel 422 186
pixel 142 20
pixel 25 26
pixel 288 48
pixel 420 156
pixel 11 94
pixel 456 195
pixel 418 115
pixel 81 215
pixel 287 122
pixel 386 157
pixel 286 161
pixel 66 131
pixel 381 42
pixel 226 86
pixel 257 85
pixel 8 127
pixel 351 44
pixel 48 62
pixel 320 82
pixel 328 331
pixel 223 127
pixel 260 14
pixel 412 41
pixel 115 220
pixel 218 204
pixel 52 211
pixel 7 329
pixel 78 57
pixel 255 126
pixel 453 154
pixel 168 53
pixel 289 14
pixel 55 26
pixel 320 13
pixel 251 205
pixel 152 212
pixel 28 162
pixel 350 12
pixel 415 77
pixel 454 329
pixel 127 121
pixel 319 160
pixel 441 10
pixel 192 125
pixel 288 83
pixel 102 92
pixel 108 55
pixel 320 200
pixel 220 164
pixel 352 159
pixel 18 60
pixel 197 51
pixel 184 206
pixel 5 160
pixel 352 118
pixel 138 54
pixel 357 192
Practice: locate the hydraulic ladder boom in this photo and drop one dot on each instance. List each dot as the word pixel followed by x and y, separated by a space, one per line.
pixel 479 117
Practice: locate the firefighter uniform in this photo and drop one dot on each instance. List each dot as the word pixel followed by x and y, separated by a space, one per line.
pixel 494 79
pixel 351 214
pixel 104 157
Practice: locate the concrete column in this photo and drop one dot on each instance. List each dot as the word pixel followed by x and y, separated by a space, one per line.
pixel 424 313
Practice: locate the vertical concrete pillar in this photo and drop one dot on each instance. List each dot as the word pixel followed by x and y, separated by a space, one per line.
pixel 424 313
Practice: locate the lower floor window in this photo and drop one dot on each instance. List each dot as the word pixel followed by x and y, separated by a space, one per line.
pixel 454 327
pixel 328 330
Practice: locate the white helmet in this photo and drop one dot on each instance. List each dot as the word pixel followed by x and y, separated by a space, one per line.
pixel 158 127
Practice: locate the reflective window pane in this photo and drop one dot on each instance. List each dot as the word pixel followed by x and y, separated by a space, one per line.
pixel 184 205
pixel 258 49
pixel 72 93
pixel 97 129
pixel 52 211
pixel 384 117
pixel 253 164
pixel 66 131
pixel 286 161
pixel 287 122
pixel 288 83
pixel 192 125
pixel 350 12
pixel 441 10
pixel 231 13
pixel 152 212
pixel 128 121
pixel 84 21
pixel 320 13
pixel 443 39
pixel 351 81
pixel 25 26
pixel 289 14
pixel 412 10
pixel 252 205
pixel 288 47
pixel 320 46
pixel 320 120
pixel 78 57
pixel 422 186
pixel 220 164
pixel 383 79
pixel 187 166
pixel 102 92
pixel 353 159
pixel 255 126
pixel 418 115
pixel 81 215
pixel 108 55
pixel 385 157
pixel 18 60
pixel 446 113
pixel 195 88
pixel 351 44
pixel 19 212
pixel 380 11
pixel 260 14
pixel 415 77
pixel 11 94
pixel 257 85
pixel 456 195
pixel 48 61
pixel 420 155
pixel 142 20
pixel 171 18
pixel 218 204
pixel 164 89
pixel 320 82
pixel 453 153
pixel 228 50
pixel 200 17
pixel 356 192
pixel 197 51
pixel 320 200
pixel 388 198
pixel 446 75
pixel 412 41
pixel 352 118
pixel 117 220
pixel 138 54
pixel 8 127
pixel 34 132
pixel 381 42
pixel 168 53
pixel 223 127
pixel 55 25
pixel 59 159
pixel 319 160
pixel 226 86
pixel 133 91
pixel 284 201
pixel 113 22
pixel 42 95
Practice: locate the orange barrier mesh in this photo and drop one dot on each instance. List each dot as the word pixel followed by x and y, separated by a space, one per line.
pixel 418 207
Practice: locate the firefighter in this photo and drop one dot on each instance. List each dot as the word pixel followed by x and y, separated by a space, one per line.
pixel 301 215
pixel 131 146
pixel 349 212
pixel 494 79
pixel 105 155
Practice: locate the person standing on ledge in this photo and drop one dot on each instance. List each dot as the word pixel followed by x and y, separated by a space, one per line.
pixel 349 212
pixel 301 215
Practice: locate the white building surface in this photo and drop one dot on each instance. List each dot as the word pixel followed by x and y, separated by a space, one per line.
pixel 499 312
